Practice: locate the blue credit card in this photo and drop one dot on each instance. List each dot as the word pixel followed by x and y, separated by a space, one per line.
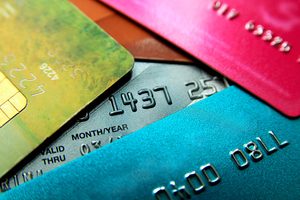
pixel 229 146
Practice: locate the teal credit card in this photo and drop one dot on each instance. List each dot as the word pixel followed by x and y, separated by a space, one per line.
pixel 228 146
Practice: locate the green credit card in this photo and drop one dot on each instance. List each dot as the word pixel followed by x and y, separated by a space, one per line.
pixel 53 62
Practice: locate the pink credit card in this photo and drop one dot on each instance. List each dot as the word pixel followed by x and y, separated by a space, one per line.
pixel 255 43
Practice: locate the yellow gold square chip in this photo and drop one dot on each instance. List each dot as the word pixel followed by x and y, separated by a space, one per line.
pixel 12 101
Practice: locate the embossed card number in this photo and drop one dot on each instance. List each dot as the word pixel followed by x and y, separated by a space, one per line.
pixel 198 89
pixel 196 182
pixel 148 97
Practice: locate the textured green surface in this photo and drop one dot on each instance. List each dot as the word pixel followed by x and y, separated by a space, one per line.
pixel 86 61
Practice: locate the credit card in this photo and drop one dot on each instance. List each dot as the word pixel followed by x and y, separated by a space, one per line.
pixel 254 43
pixel 154 92
pixel 140 42
pixel 53 62
pixel 219 148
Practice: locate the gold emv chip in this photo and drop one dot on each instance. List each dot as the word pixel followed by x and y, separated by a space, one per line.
pixel 12 101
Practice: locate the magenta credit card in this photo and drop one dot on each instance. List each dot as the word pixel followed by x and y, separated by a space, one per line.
pixel 255 43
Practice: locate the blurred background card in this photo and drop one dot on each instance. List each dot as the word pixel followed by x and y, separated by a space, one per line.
pixel 140 42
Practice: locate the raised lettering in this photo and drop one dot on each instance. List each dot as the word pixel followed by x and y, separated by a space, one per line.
pixel 195 182
pixel 211 174
pixel 239 159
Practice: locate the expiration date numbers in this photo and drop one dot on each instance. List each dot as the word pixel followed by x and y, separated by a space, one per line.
pixel 86 148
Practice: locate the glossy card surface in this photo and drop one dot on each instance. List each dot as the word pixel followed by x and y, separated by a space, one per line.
pixel 54 62
pixel 219 148
pixel 254 43
pixel 137 40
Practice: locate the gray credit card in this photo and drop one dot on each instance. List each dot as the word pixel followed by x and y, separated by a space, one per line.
pixel 154 91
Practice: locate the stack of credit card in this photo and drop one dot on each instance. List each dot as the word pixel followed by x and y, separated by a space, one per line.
pixel 107 99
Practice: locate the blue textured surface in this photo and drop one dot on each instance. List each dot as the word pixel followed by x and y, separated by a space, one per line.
pixel 203 133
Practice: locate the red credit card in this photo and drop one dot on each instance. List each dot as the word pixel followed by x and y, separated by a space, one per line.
pixel 255 43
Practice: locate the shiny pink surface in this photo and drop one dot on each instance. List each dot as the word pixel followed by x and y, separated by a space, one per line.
pixel 227 46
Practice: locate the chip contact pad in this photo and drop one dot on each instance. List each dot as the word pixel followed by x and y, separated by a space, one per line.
pixel 12 101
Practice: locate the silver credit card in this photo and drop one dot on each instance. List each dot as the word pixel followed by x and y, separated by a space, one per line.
pixel 154 91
